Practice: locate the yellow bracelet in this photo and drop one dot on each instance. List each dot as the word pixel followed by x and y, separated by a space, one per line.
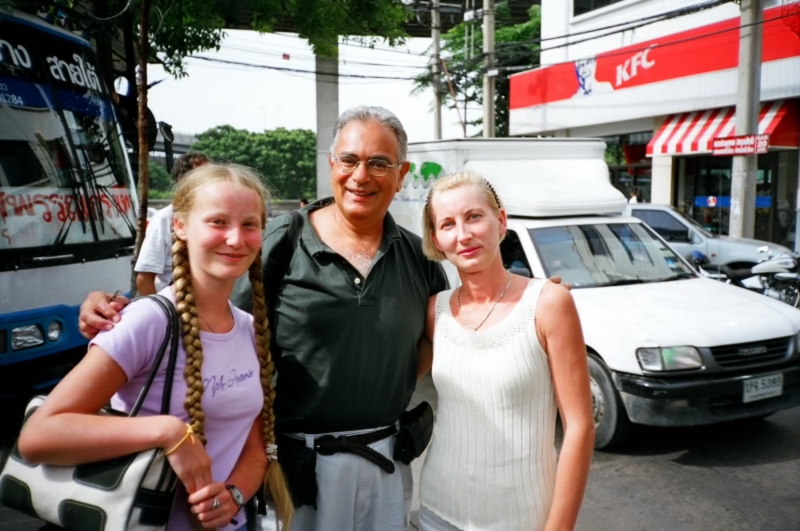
pixel 189 433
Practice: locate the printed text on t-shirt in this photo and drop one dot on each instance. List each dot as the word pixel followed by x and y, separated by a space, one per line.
pixel 221 383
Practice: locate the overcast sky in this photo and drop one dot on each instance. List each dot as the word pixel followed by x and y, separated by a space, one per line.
pixel 259 98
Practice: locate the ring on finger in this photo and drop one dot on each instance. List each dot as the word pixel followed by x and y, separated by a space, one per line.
pixel 215 505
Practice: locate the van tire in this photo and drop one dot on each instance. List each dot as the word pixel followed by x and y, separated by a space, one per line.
pixel 611 424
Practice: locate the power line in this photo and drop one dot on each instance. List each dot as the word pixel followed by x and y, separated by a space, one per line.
pixel 629 25
pixel 311 58
pixel 285 69
pixel 628 49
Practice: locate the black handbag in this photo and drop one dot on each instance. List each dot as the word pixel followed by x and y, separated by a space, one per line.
pixel 130 493
pixel 416 429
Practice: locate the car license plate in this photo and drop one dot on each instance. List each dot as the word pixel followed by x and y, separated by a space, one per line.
pixel 763 387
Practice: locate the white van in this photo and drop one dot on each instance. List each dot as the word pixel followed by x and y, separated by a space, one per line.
pixel 666 347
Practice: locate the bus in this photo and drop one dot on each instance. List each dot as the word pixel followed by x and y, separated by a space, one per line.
pixel 67 200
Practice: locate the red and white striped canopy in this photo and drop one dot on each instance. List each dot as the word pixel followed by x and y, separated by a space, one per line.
pixel 694 132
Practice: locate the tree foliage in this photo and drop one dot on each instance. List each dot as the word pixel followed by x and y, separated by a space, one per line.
pixel 285 157
pixel 462 47
pixel 160 179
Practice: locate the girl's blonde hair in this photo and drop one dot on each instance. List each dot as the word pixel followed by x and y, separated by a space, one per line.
pixel 451 182
pixel 185 198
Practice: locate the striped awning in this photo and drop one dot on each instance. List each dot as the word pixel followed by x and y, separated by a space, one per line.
pixel 694 132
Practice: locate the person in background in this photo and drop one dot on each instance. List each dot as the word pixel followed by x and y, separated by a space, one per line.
pixel 636 196
pixel 508 354
pixel 154 265
pixel 303 203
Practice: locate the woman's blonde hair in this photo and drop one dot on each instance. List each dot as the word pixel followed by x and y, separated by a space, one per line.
pixel 185 198
pixel 451 182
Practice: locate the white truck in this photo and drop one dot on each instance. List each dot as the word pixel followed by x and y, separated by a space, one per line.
pixel 665 346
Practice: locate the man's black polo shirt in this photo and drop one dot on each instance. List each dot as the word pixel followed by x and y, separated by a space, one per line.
pixel 345 346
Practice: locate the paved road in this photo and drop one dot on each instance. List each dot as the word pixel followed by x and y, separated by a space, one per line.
pixel 738 476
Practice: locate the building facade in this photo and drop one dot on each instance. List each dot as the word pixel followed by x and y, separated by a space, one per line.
pixel 658 80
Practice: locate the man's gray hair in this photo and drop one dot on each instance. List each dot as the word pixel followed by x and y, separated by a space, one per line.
pixel 384 117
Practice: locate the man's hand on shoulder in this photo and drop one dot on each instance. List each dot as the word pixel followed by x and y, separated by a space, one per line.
pixel 555 279
pixel 99 312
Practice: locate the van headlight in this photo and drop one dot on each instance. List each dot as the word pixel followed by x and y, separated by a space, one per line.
pixel 669 358
pixel 26 337
pixel 54 331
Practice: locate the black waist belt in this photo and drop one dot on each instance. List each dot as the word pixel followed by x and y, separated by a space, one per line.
pixel 357 445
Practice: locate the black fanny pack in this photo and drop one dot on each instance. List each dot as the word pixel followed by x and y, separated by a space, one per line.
pixel 416 429
pixel 299 462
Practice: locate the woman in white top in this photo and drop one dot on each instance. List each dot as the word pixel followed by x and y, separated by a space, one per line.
pixel 507 351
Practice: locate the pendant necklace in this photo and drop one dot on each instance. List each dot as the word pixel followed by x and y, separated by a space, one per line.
pixel 475 328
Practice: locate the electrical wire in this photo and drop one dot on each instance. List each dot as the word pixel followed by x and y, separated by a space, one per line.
pixel 285 69
pixel 629 49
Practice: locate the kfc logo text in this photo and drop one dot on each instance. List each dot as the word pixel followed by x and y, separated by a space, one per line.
pixel 630 68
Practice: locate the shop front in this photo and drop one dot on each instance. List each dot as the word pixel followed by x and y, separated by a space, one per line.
pixel 701 181
pixel 673 92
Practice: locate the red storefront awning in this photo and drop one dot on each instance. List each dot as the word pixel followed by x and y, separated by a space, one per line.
pixel 694 132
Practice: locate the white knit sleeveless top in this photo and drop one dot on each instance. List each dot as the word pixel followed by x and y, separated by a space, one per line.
pixel 491 464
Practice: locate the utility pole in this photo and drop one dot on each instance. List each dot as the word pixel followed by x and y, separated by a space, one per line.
pixel 748 102
pixel 488 77
pixel 435 65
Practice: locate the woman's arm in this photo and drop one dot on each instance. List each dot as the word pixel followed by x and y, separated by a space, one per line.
pixel 559 331
pixel 247 475
pixel 425 343
pixel 66 430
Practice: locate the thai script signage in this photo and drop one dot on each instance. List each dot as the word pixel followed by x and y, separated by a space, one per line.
pixel 32 217
pixel 740 145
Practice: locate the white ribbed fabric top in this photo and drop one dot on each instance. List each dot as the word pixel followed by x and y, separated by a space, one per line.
pixel 491 464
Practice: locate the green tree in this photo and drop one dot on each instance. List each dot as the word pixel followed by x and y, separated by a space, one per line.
pixel 462 47
pixel 285 157
pixel 160 181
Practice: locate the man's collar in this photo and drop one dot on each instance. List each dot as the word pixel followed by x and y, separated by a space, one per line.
pixel 314 244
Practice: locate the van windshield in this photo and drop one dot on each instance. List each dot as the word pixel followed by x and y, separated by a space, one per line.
pixel 607 254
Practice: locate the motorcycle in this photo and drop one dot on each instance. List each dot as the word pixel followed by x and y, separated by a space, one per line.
pixel 777 277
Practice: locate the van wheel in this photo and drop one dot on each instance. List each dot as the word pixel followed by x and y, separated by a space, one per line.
pixel 611 424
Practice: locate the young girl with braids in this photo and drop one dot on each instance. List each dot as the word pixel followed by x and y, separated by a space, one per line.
pixel 219 437
pixel 507 353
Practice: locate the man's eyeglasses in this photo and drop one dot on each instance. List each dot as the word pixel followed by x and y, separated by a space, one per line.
pixel 376 167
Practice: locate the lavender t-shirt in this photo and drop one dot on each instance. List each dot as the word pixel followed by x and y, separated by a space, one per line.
pixel 232 399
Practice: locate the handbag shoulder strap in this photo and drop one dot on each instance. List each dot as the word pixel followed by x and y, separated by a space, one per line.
pixel 171 339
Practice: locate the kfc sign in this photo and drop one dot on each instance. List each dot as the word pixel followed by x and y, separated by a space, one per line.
pixel 630 68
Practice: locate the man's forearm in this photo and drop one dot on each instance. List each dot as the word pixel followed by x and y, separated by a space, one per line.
pixel 146 283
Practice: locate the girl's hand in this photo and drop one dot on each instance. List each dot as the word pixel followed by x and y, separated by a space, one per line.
pixel 189 460
pixel 202 502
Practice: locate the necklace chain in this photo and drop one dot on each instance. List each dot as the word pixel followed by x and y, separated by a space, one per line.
pixel 209 324
pixel 458 304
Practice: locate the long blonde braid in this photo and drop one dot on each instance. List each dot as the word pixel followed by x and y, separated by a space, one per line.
pixel 190 331
pixel 275 484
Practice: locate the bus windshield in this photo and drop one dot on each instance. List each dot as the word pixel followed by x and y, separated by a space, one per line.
pixel 64 178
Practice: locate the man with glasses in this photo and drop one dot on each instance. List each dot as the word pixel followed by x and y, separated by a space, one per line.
pixel 350 290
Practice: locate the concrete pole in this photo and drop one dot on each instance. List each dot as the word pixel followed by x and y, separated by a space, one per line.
pixel 488 80
pixel 327 80
pixel 436 69
pixel 748 102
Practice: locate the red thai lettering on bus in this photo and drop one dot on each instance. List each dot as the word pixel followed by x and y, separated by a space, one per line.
pixel 41 199
pixel 63 206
